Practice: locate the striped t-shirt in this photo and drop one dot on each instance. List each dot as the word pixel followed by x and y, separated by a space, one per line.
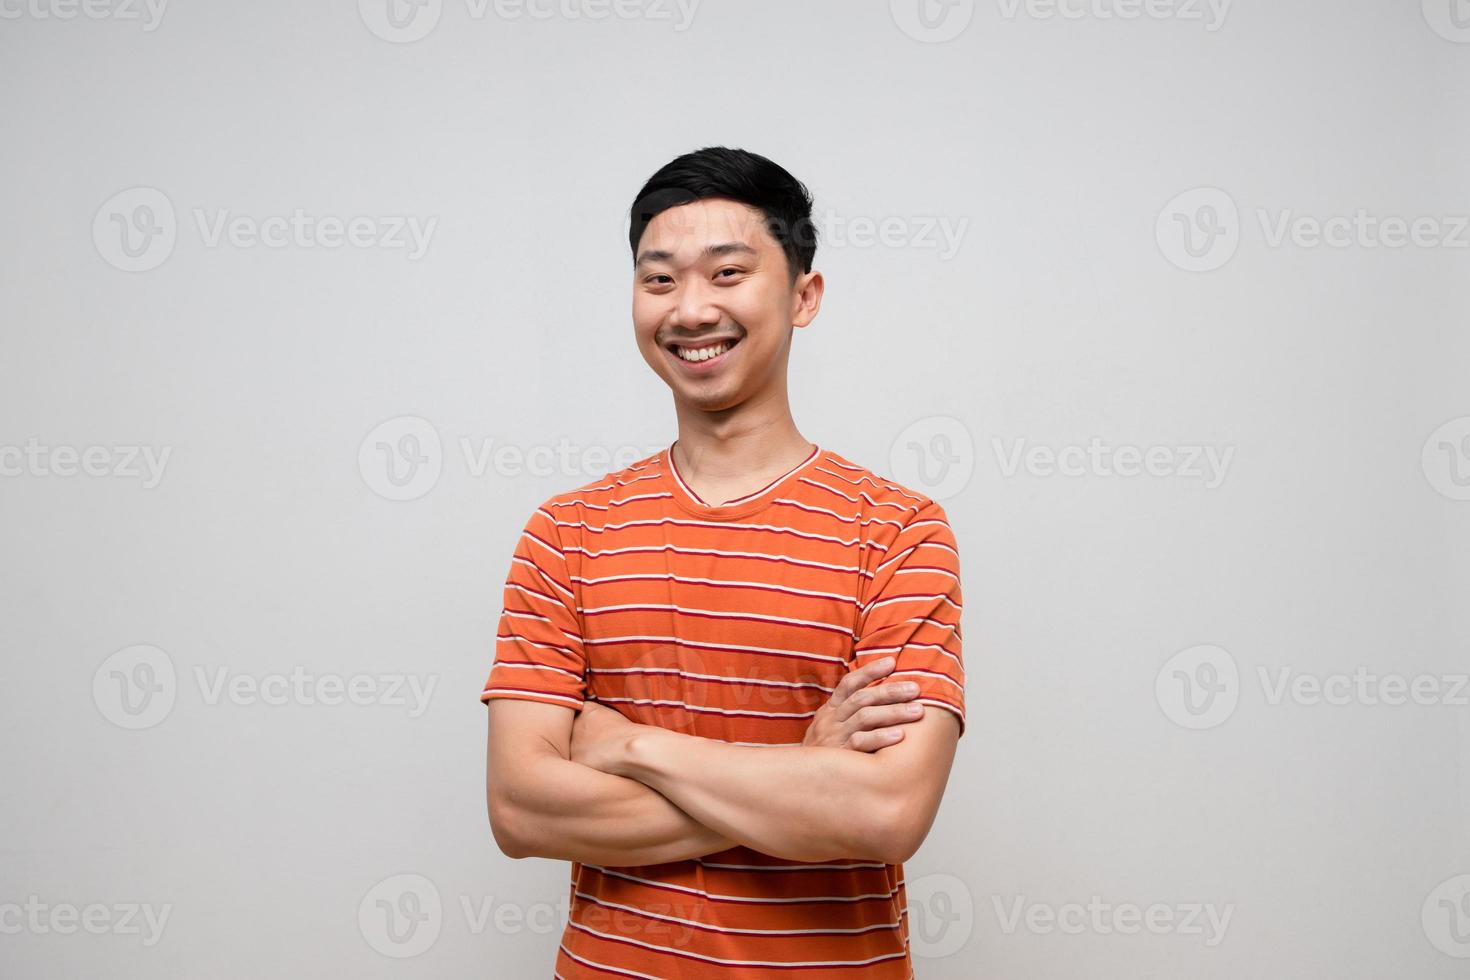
pixel 733 622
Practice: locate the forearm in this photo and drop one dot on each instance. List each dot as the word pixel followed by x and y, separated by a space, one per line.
pixel 802 803
pixel 567 811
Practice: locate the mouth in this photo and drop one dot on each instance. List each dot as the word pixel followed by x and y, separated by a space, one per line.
pixel 702 353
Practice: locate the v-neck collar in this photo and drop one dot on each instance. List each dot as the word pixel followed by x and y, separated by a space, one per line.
pixel 740 506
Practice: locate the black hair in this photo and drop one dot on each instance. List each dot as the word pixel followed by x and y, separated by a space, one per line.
pixel 738 175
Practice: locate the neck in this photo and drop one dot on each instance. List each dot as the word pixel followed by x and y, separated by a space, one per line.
pixel 757 436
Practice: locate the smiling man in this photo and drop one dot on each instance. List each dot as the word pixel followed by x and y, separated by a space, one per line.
pixel 728 682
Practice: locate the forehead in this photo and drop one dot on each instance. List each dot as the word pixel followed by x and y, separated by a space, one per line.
pixel 689 228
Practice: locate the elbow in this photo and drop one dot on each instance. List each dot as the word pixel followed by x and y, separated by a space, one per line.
pixel 896 832
pixel 505 828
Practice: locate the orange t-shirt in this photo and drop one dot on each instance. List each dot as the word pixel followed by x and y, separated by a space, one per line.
pixel 732 622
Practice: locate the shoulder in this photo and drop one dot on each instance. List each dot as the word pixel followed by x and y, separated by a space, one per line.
pixel 902 528
pixel 877 495
pixel 596 496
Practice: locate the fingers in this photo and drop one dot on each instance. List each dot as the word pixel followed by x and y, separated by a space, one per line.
pixel 875 740
pixel 858 679
pixel 884 716
pixel 868 713
pixel 876 694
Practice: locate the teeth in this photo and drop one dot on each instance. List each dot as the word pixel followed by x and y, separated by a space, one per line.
pixel 697 354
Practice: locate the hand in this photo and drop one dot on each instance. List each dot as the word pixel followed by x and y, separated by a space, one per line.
pixel 865 716
pixel 600 735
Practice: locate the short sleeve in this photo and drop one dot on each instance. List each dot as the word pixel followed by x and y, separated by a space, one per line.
pixel 538 643
pixel 911 611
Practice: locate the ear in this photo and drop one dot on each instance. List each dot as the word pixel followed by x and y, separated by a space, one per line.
pixel 807 298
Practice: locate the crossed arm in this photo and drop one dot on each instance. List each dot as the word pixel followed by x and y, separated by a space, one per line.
pixel 598 788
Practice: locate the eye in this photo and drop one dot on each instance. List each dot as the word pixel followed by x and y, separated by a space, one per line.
pixel 729 268
pixel 652 280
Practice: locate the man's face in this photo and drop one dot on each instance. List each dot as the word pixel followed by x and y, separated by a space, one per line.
pixel 713 303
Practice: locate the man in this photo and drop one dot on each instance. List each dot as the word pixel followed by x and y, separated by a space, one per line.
pixel 728 682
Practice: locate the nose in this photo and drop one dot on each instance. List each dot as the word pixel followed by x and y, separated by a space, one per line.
pixel 694 306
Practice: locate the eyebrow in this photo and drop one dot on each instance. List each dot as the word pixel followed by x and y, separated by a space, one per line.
pixel 710 251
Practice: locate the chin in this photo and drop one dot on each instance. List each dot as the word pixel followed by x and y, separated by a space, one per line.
pixel 709 401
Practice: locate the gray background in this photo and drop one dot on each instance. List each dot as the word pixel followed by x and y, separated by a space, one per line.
pixel 282 838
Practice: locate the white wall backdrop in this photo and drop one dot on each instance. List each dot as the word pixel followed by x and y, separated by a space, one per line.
pixel 305 306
